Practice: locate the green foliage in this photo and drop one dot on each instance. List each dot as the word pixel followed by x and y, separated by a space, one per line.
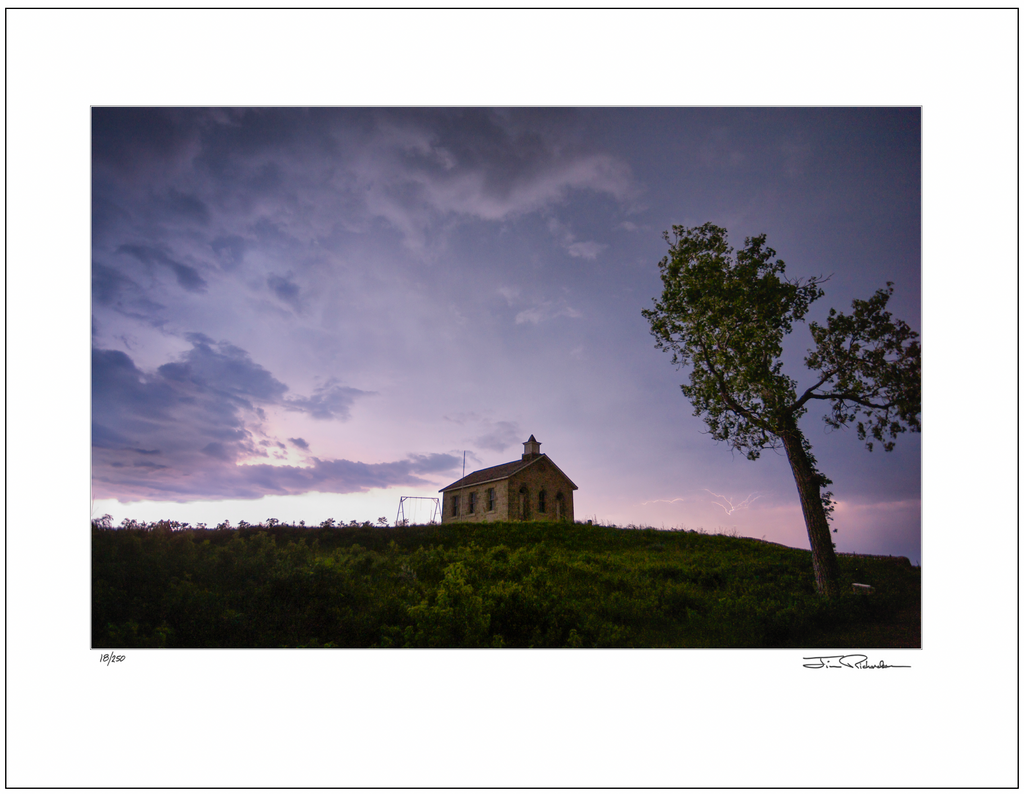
pixel 467 585
pixel 452 616
pixel 870 364
pixel 725 315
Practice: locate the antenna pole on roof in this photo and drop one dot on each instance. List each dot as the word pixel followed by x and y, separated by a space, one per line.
pixel 463 463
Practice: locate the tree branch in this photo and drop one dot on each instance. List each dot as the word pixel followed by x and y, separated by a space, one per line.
pixel 727 397
pixel 809 394
pixel 853 398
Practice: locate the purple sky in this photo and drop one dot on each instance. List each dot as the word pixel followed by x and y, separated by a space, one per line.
pixel 307 313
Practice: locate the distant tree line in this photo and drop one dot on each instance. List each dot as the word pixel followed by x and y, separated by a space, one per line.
pixel 107 522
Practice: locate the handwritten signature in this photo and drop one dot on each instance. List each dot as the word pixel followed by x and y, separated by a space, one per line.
pixel 855 660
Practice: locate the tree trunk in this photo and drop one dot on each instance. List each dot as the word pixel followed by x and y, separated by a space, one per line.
pixel 808 485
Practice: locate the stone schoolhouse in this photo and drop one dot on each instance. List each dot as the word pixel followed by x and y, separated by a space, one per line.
pixel 531 489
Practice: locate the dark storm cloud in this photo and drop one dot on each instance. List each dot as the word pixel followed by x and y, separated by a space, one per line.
pixel 120 389
pixel 252 188
pixel 145 464
pixel 406 166
pixel 229 249
pixel 330 401
pixel 125 138
pixel 217 450
pixel 106 214
pixel 219 377
pixel 362 476
pixel 112 289
pixel 219 478
pixel 479 164
pixel 244 135
pixel 180 410
pixel 285 290
pixel 264 159
pixel 434 463
pixel 187 276
pixel 326 476
pixel 109 284
pixel 224 369
pixel 107 438
pixel 181 432
pixel 186 207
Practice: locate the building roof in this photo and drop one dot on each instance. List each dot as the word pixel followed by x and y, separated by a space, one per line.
pixel 501 472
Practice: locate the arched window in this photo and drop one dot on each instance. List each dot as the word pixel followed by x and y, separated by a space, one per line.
pixel 559 506
pixel 541 507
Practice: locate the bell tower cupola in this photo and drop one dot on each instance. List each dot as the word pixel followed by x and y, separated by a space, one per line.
pixel 531 448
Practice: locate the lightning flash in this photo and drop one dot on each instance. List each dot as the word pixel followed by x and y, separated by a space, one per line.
pixel 731 508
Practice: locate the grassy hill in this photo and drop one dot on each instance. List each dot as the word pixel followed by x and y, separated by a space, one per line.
pixel 484 585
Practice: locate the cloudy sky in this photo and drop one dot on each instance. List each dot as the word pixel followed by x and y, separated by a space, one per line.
pixel 308 313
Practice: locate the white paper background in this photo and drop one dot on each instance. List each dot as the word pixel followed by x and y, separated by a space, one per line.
pixel 518 718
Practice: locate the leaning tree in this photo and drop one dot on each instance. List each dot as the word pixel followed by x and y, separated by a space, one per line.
pixel 723 314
